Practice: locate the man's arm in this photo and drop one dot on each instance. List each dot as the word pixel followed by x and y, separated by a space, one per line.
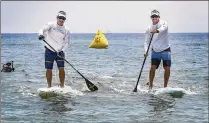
pixel 147 40
pixel 163 27
pixel 66 40
pixel 44 29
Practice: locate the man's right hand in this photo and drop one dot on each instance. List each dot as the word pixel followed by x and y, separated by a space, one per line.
pixel 41 37
pixel 155 31
pixel 145 55
pixel 61 54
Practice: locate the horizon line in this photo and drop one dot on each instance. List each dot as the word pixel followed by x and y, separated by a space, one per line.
pixel 96 32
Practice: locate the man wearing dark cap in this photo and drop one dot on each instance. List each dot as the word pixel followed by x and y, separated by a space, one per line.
pixel 160 47
pixel 56 35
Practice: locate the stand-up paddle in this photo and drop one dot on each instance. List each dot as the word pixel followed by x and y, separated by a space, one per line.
pixel 13 69
pixel 135 89
pixel 89 84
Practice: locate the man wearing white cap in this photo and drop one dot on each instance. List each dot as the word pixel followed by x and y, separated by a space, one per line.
pixel 56 35
pixel 160 47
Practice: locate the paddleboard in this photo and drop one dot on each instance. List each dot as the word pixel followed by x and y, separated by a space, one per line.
pixel 174 92
pixel 57 91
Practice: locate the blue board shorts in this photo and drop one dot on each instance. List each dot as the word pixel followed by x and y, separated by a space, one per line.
pixel 164 55
pixel 51 56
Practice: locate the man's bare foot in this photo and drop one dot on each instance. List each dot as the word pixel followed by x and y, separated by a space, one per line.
pixel 149 90
pixel 148 83
pixel 150 87
pixel 61 86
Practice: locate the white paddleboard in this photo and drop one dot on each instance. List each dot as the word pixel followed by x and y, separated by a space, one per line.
pixel 55 91
pixel 174 92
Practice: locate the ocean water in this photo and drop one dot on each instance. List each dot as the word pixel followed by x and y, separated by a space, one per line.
pixel 114 71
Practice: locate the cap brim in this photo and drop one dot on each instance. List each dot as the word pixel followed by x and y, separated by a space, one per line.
pixel 155 15
pixel 59 15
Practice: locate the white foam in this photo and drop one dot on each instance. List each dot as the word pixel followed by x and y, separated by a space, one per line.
pixel 143 90
pixel 60 91
pixel 25 91
pixel 106 77
pixel 189 92
pixel 121 91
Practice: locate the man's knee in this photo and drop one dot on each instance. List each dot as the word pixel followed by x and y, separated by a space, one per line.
pixel 153 68
pixel 49 70
pixel 167 68
pixel 61 68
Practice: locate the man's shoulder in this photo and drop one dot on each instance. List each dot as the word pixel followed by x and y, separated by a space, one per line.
pixel 149 27
pixel 163 22
pixel 67 29
pixel 51 23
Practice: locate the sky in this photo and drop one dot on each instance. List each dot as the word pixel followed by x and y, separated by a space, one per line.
pixel 108 16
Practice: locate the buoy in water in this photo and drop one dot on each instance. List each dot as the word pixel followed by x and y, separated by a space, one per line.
pixel 100 41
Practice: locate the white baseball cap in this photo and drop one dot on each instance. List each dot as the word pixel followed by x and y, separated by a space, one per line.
pixel 155 13
pixel 61 13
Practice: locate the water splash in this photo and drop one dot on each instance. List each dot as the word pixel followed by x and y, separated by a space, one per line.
pixel 25 91
pixel 106 77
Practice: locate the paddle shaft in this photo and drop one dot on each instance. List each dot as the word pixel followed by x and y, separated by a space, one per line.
pixel 65 60
pixel 12 64
pixel 135 90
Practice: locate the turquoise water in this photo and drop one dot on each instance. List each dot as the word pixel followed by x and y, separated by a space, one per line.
pixel 114 71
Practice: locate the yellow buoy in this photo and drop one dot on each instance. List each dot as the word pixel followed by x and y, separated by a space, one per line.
pixel 99 42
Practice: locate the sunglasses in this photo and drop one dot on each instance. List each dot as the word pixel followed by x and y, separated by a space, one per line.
pixel 61 17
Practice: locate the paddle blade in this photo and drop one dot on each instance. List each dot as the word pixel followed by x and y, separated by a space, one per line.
pixel 135 89
pixel 91 86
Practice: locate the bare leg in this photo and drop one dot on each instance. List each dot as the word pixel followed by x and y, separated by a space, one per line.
pixel 166 76
pixel 151 76
pixel 49 77
pixel 62 76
